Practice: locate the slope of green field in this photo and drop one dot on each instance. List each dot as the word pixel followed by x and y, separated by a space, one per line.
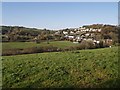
pixel 83 68
pixel 21 45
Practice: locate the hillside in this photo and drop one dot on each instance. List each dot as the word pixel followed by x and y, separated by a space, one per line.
pixel 83 68
pixel 95 31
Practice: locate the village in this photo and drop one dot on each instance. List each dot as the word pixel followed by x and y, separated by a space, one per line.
pixel 96 34
pixel 77 35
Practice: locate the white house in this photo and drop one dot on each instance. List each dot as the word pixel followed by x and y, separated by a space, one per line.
pixel 75 29
pixel 95 41
pixel 71 32
pixel 70 37
pixel 87 34
pixel 57 32
pixel 66 36
pixel 99 30
pixel 78 37
pixel 93 30
pixel 64 32
pixel 78 32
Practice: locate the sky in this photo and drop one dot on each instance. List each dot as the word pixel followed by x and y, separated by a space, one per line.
pixel 60 0
pixel 59 15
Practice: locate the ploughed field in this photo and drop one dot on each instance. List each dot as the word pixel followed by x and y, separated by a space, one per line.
pixel 72 69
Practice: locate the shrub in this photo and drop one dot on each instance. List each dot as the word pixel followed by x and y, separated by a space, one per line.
pixel 32 50
pixel 49 49
pixel 86 45
pixel 11 52
pixel 71 48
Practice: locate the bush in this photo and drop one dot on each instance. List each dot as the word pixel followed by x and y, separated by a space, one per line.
pixel 86 45
pixel 32 50
pixel 11 52
pixel 71 48
pixel 49 49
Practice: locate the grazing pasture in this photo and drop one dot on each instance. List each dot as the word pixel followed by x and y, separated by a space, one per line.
pixel 22 45
pixel 72 69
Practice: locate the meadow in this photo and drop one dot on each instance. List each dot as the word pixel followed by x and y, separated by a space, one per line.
pixel 22 45
pixel 18 48
pixel 72 69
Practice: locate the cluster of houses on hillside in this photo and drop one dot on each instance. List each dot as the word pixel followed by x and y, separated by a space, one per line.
pixel 78 30
pixel 77 35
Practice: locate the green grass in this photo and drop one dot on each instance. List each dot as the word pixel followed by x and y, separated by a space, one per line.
pixel 83 68
pixel 21 45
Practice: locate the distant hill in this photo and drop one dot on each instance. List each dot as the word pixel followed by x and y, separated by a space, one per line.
pixel 19 33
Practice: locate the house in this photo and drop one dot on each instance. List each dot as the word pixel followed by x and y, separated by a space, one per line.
pixel 94 30
pixel 64 32
pixel 66 36
pixel 75 29
pixel 78 38
pixel 99 30
pixel 87 34
pixel 82 36
pixel 96 42
pixel 58 32
pixel 87 29
pixel 71 32
pixel 71 37
pixel 109 41
pixel 90 29
pixel 82 28
pixel 78 32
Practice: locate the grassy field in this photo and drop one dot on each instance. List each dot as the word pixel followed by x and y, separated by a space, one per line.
pixel 21 45
pixel 82 68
